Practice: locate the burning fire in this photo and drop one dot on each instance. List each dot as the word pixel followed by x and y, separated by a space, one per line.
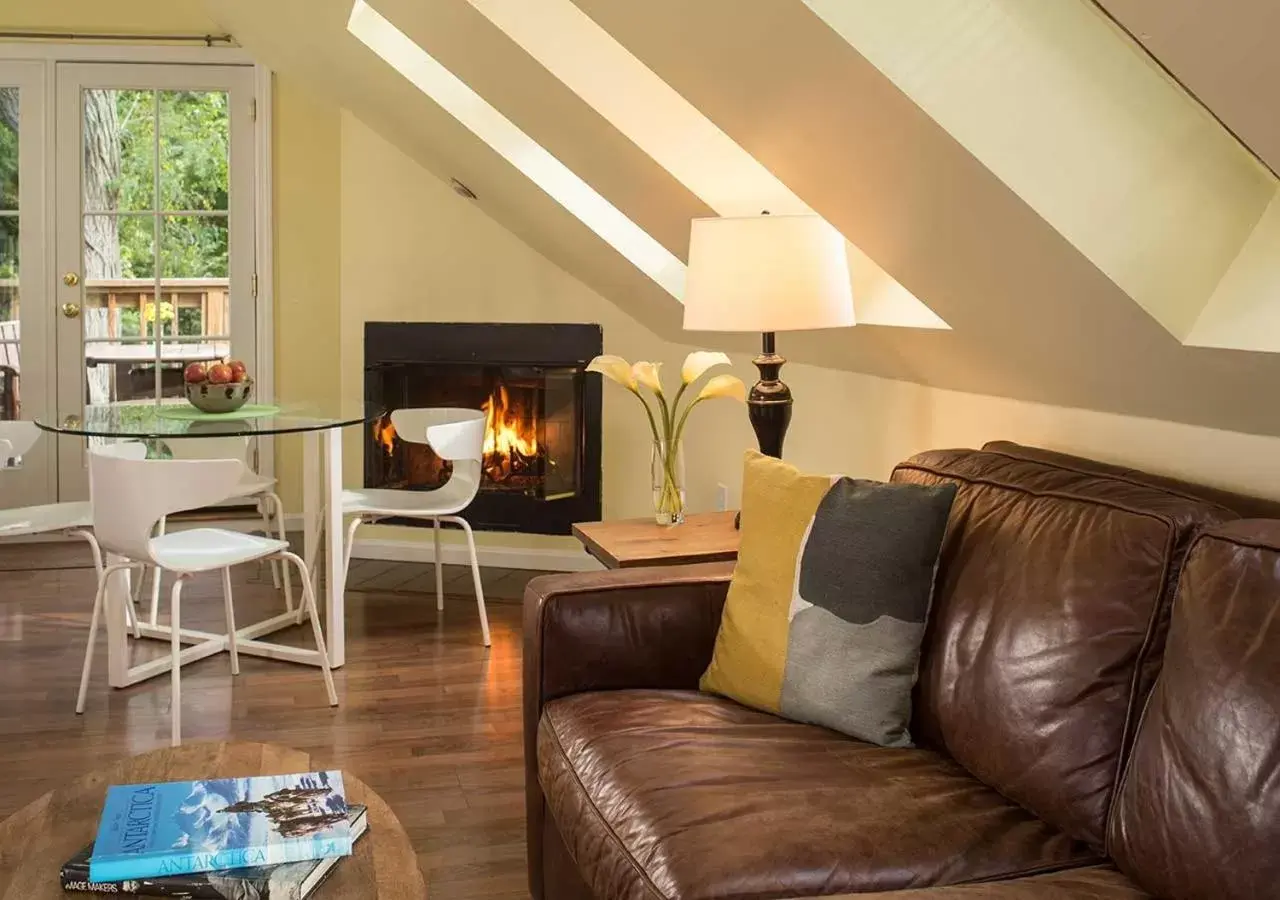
pixel 510 445
pixel 509 435
pixel 385 434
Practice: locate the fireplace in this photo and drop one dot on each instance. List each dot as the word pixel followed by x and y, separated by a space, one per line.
pixel 541 467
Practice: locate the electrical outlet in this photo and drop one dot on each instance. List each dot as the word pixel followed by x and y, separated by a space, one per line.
pixel 722 497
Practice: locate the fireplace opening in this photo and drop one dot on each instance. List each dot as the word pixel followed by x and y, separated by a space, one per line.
pixel 541 467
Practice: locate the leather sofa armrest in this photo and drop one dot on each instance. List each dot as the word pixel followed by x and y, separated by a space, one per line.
pixel 627 628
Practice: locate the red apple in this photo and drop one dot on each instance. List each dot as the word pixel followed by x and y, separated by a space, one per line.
pixel 195 373
pixel 219 373
pixel 239 372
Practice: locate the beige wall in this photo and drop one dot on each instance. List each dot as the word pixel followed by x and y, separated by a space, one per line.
pixel 1228 459
pixel 305 182
pixel 363 232
pixel 414 250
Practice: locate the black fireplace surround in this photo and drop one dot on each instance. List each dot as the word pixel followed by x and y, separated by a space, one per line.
pixel 541 471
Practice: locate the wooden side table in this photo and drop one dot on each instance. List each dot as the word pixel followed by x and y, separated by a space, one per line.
pixel 37 839
pixel 627 543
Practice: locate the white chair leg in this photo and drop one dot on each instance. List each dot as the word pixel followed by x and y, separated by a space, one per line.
pixel 93 638
pixel 263 512
pixel 231 621
pixel 439 567
pixel 130 610
pixel 175 656
pixel 309 601
pixel 155 582
pixel 285 574
pixel 475 574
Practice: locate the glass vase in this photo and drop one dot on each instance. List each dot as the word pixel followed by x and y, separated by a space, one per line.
pixel 667 473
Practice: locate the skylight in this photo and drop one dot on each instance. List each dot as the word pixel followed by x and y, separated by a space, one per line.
pixel 500 133
pixel 658 120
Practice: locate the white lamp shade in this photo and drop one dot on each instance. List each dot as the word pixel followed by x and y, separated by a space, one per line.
pixel 767 273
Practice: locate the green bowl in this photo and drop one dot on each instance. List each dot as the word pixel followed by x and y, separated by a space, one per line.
pixel 219 398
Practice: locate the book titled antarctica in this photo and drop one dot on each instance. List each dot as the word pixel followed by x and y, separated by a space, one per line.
pixel 180 827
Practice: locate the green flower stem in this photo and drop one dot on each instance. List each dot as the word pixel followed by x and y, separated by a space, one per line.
pixel 666 415
pixel 669 498
pixel 653 427
pixel 684 418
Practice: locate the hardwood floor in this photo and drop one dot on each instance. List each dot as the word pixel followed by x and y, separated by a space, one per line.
pixel 427 717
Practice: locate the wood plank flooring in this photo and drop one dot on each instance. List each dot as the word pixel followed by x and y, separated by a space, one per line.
pixel 428 718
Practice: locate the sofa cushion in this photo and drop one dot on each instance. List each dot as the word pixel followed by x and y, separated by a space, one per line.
pixel 673 794
pixel 1198 811
pixel 1047 623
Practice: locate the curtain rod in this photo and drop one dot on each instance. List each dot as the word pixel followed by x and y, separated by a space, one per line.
pixel 207 39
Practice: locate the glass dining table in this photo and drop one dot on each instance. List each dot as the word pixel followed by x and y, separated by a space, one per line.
pixel 157 424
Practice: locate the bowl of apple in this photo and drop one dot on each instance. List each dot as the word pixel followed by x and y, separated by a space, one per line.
pixel 221 387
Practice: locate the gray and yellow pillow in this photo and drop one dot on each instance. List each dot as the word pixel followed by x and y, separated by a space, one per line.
pixel 827 606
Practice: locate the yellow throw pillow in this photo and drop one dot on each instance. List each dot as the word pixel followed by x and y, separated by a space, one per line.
pixel 827 607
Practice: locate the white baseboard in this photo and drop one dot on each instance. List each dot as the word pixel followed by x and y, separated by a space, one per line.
pixel 495 557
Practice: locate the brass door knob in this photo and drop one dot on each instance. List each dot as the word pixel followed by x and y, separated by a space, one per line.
pixel 71 279
pixel 71 422
pixel 71 310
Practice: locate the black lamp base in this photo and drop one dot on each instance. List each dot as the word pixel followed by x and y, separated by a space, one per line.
pixel 768 404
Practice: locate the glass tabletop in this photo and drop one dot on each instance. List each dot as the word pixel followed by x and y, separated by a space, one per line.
pixel 171 419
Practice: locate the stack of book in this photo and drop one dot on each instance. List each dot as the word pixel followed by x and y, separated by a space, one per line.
pixel 272 837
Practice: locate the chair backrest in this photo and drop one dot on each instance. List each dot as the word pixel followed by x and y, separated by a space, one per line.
pixel 10 347
pixel 229 447
pixel 131 493
pixel 20 436
pixel 454 434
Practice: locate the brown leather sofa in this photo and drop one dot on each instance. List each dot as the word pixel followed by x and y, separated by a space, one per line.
pixel 1097 715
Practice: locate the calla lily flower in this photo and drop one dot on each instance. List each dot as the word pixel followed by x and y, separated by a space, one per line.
pixel 698 362
pixel 616 368
pixel 730 386
pixel 646 373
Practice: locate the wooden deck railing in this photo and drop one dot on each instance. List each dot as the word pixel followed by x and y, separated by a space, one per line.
pixel 209 295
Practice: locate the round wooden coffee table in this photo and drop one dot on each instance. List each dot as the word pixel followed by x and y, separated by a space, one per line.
pixel 37 839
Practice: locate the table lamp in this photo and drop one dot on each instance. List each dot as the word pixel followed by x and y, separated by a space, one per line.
pixel 768 274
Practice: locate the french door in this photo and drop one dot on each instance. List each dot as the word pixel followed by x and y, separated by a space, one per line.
pixel 135 229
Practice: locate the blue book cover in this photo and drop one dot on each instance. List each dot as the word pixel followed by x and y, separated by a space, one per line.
pixel 157 830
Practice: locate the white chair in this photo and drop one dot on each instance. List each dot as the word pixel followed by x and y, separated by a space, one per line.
pixel 252 486
pixel 456 435
pixel 73 520
pixel 130 494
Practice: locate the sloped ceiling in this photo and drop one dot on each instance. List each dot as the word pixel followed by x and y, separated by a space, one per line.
pixel 1032 317
pixel 1225 54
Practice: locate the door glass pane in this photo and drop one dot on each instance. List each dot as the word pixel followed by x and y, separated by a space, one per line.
pixel 119 309
pixel 8 149
pixel 10 365
pixel 194 260
pixel 194 140
pixel 119 150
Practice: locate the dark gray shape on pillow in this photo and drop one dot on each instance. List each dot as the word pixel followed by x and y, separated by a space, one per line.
pixel 872 549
